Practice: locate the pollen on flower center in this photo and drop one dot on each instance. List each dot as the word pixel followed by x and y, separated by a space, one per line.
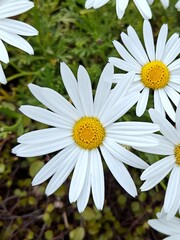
pixel 155 75
pixel 88 132
pixel 177 154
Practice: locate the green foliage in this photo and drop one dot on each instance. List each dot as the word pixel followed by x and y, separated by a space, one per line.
pixel 69 33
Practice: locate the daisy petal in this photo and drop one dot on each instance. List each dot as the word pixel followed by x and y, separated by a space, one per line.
pixel 2 76
pixel 52 166
pixel 172 192
pixel 79 176
pixel 143 8
pixel 4 57
pixel 97 179
pixel 16 41
pixel 71 86
pixel 165 127
pixel 44 135
pixel 119 171
pixel 148 40
pixel 63 171
pixel 103 88
pixel 85 91
pixel 54 101
pixel 124 155
pixel 17 27
pixel 142 102
pixel 161 41
pixel 84 195
pixel 46 117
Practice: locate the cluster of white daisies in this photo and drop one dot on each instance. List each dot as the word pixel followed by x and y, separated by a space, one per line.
pixel 91 129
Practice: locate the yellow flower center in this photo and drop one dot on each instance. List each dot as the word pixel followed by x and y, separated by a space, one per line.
pixel 88 133
pixel 177 154
pixel 155 75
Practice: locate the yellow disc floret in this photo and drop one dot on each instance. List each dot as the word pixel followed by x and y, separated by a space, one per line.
pixel 177 154
pixel 88 133
pixel 155 75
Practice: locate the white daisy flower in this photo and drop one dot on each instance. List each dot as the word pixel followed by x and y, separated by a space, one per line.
pixel 169 144
pixel 121 6
pixel 10 29
pixel 178 5
pixel 81 131
pixel 168 227
pixel 155 67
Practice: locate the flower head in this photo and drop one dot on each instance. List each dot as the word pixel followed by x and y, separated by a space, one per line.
pixel 156 68
pixel 81 131
pixel 10 29
pixel 169 144
pixel 168 227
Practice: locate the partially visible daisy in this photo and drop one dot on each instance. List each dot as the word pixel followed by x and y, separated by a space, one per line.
pixel 155 67
pixel 169 144
pixel 81 131
pixel 178 5
pixel 121 6
pixel 168 227
pixel 10 29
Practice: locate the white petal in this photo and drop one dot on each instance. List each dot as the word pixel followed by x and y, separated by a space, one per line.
pixel 170 43
pixel 142 102
pixel 46 117
pixel 174 237
pixel 178 117
pixel 132 128
pixel 84 195
pixel 123 65
pixel 143 8
pixel 44 135
pixel 13 8
pixel 149 40
pixel 119 171
pixel 164 226
pixel 173 53
pixel 17 27
pixel 172 94
pixel 33 150
pixel 79 176
pixel 133 49
pixel 161 41
pixel 134 37
pixel 164 147
pixel 125 54
pixel 71 86
pixel 157 103
pixel 158 168
pixel 103 88
pixel 172 192
pixel 65 168
pixel 118 92
pixel 54 101
pixel 166 104
pixel 121 7
pixel 85 91
pixel 99 3
pixel 97 179
pixel 119 109
pixel 124 155
pixel 16 41
pixel 165 127
pixel 165 3
pixel 53 165
pixel 4 54
pixel 2 76
pixel 175 65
